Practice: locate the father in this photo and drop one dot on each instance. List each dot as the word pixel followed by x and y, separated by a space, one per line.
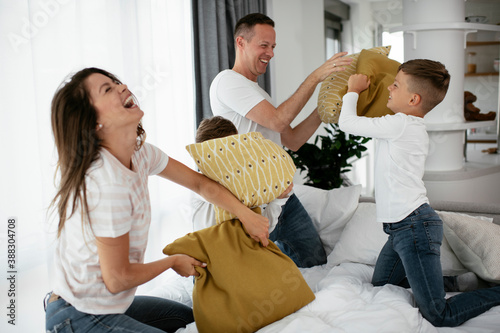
pixel 235 95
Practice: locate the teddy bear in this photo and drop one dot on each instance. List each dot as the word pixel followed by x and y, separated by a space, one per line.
pixel 471 112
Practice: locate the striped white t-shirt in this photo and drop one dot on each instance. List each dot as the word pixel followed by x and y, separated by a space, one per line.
pixel 118 200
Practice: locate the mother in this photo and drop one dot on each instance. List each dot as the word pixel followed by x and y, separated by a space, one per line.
pixel 104 212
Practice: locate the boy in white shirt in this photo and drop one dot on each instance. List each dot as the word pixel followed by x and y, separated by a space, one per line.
pixel 411 256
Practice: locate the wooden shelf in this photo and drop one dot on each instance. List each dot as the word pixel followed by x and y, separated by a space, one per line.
pixel 473 43
pixel 481 141
pixel 482 74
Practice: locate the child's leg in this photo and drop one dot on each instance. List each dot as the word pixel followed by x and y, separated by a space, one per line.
pixel 417 240
pixel 389 268
pixel 296 236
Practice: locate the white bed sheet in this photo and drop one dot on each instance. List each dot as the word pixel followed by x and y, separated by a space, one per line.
pixel 346 302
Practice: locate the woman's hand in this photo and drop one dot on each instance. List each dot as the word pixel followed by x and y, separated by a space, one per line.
pixel 184 265
pixel 257 226
pixel 119 274
pixel 357 83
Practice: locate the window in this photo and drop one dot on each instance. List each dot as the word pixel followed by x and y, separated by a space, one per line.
pixel 396 40
pixel 147 44
pixel 333 29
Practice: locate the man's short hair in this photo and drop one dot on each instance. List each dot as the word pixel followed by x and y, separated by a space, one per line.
pixel 430 79
pixel 245 25
pixel 214 128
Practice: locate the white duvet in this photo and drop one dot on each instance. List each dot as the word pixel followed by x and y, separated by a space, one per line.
pixel 347 302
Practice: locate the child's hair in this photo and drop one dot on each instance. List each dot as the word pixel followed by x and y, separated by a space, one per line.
pixel 430 79
pixel 214 128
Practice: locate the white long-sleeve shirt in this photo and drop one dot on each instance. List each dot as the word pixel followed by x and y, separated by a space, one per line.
pixel 401 147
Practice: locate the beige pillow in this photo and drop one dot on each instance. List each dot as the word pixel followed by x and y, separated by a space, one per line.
pixel 334 88
pixel 475 242
pixel 245 286
pixel 254 169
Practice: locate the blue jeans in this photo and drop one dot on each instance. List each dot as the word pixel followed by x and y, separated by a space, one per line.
pixel 412 256
pixel 296 235
pixel 145 314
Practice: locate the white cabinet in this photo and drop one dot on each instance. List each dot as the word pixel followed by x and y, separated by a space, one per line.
pixel 447 42
pixel 441 34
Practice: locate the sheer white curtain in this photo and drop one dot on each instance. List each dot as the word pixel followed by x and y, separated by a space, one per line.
pixel 147 44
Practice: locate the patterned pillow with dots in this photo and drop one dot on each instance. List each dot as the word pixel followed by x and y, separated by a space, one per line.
pixel 334 87
pixel 256 170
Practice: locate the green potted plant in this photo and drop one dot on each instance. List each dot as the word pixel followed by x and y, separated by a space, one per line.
pixel 324 164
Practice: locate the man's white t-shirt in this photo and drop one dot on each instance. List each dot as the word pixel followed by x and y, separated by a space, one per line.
pixel 401 147
pixel 118 200
pixel 232 96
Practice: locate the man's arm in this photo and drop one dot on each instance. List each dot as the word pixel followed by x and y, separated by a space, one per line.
pixel 294 138
pixel 279 119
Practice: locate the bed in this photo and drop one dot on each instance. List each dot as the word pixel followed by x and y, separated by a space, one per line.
pixel 345 300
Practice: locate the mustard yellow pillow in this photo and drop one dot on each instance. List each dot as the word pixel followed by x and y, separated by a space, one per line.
pixel 334 88
pixel 254 169
pixel 245 286
pixel 381 70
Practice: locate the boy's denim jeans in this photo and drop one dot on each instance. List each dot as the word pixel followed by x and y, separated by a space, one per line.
pixel 145 314
pixel 296 235
pixel 412 256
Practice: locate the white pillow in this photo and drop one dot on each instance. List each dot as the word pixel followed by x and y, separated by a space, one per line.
pixel 450 264
pixel 475 241
pixel 329 210
pixel 364 237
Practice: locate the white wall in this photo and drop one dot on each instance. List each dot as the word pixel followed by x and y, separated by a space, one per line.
pixel 300 39
pixel 300 47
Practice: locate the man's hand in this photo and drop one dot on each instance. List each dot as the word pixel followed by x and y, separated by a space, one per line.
pixel 357 83
pixel 287 191
pixel 336 63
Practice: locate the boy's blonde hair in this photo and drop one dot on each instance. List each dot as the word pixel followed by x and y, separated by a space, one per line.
pixel 430 79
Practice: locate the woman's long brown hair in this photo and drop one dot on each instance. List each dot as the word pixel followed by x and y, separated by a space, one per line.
pixel 74 123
